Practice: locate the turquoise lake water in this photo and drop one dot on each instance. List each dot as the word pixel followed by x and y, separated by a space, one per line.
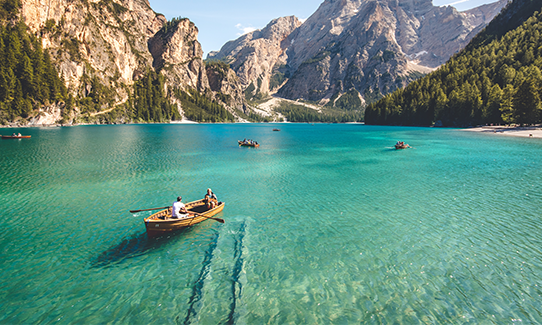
pixel 325 224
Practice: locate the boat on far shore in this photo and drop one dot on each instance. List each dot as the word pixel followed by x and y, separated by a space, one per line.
pixel 276 129
pixel 16 136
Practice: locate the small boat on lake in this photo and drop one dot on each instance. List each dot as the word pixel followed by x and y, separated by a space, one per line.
pixel 16 136
pixel 276 129
pixel 401 145
pixel 161 222
pixel 253 144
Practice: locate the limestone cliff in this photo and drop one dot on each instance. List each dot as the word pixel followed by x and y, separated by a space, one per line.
pixel 372 46
pixel 103 39
pixel 259 55
pixel 178 54
pixel 112 43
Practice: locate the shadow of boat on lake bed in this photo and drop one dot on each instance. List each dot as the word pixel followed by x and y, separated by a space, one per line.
pixel 134 246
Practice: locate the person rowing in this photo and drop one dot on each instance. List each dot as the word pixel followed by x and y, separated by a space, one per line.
pixel 178 210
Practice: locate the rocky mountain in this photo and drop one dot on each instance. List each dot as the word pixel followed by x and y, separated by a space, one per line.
pixel 258 57
pixel 102 48
pixel 496 79
pixel 370 46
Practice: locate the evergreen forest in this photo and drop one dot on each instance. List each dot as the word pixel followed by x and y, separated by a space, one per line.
pixel 28 79
pixel 197 107
pixel 498 81
pixel 150 101
pixel 299 113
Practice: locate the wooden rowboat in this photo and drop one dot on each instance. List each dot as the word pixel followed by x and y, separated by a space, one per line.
pixel 276 129
pixel 16 136
pixel 161 222
pixel 243 144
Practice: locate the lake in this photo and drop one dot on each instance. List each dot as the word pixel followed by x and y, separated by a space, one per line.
pixel 325 224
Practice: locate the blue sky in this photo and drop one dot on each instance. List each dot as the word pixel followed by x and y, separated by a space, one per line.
pixel 220 21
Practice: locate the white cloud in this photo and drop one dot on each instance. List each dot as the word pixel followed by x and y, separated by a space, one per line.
pixel 244 30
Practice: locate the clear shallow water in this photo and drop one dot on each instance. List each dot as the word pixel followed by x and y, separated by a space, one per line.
pixel 324 224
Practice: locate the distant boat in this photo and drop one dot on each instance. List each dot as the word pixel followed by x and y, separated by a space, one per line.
pixel 401 145
pixel 276 129
pixel 161 222
pixel 248 144
pixel 16 136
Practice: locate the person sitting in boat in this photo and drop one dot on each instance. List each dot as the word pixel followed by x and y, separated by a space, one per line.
pixel 178 210
pixel 18 134
pixel 210 199
pixel 14 134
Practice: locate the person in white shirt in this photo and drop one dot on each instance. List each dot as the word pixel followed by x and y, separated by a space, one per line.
pixel 178 210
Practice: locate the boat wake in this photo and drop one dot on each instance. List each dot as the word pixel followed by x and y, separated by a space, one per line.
pixel 197 306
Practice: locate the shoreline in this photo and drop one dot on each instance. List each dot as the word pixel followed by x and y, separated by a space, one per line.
pixel 515 131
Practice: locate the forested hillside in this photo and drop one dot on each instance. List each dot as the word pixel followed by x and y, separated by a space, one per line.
pixel 27 77
pixel 497 81
pixel 106 62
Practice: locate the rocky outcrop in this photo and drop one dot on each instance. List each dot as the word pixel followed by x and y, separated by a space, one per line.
pixel 178 54
pixel 481 16
pixel 103 39
pixel 113 43
pixel 372 46
pixel 226 85
pixel 257 56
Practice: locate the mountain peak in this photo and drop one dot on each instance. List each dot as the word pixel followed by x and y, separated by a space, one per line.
pixel 367 45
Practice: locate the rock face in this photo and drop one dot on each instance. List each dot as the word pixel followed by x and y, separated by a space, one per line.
pixel 258 55
pixel 116 42
pixel 372 46
pixel 104 39
pixel 178 54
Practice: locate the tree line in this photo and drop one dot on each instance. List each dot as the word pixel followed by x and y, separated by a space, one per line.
pixel 497 82
pixel 299 113
pixel 198 107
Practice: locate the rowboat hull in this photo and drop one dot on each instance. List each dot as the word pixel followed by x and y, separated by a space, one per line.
pixel 242 144
pixel 16 137
pixel 402 147
pixel 161 221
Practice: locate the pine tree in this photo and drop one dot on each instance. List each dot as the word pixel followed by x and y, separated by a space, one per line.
pixel 526 103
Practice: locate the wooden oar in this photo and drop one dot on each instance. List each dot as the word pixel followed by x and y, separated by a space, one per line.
pixel 215 219
pixel 134 211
